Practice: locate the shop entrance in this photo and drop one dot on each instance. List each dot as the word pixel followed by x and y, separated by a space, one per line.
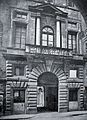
pixel 18 101
pixel 73 99
pixel 47 97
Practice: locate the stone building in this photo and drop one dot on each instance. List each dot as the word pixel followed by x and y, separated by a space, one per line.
pixel 43 56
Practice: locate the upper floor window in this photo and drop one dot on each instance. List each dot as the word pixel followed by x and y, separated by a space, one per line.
pixel 47 37
pixel 20 35
pixel 72 41
pixel 19 70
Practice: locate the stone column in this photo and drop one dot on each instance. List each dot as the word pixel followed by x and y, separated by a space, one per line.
pixel 38 31
pixel 57 33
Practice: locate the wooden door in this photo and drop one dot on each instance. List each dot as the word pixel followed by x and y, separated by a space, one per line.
pixel 52 99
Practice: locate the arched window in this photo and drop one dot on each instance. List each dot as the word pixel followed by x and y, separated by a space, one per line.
pixel 47 37
pixel 1 32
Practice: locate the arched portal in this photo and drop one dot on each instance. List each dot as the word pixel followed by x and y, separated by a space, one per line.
pixel 47 98
pixel 38 73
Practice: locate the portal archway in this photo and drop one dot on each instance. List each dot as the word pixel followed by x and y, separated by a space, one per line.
pixel 62 86
pixel 48 97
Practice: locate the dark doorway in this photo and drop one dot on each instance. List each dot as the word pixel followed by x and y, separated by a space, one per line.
pixel 49 82
pixel 52 98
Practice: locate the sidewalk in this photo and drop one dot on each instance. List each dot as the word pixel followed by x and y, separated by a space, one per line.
pixel 16 117
pixel 27 116
pixel 73 113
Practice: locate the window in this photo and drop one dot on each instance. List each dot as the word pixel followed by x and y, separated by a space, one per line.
pixel 19 96
pixel 19 70
pixel 73 94
pixel 20 35
pixel 72 41
pixel 47 37
pixel 73 73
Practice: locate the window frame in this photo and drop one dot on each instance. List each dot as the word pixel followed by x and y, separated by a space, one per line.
pixel 72 33
pixel 20 25
pixel 73 98
pixel 77 72
pixel 20 67
pixel 18 20
pixel 18 99
pixel 48 34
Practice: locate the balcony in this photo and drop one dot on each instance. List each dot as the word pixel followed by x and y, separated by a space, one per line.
pixel 33 49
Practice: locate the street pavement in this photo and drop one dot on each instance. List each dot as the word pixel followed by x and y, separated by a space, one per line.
pixel 75 115
pixel 59 116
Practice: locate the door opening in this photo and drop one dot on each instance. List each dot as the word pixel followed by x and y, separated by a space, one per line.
pixel 47 98
pixel 18 101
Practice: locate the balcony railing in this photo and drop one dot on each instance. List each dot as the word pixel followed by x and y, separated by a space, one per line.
pixel 33 49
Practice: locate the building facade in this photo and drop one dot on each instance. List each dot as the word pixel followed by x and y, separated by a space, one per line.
pixel 43 56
